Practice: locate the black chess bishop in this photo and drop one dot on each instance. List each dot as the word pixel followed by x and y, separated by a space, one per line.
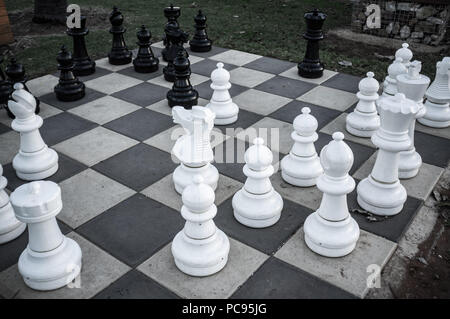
pixel 145 61
pixel 177 38
pixel 200 41
pixel 83 65
pixel 69 87
pixel 171 13
pixel 182 92
pixel 119 53
pixel 6 89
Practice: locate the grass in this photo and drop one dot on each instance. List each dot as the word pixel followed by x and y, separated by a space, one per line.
pixel 267 27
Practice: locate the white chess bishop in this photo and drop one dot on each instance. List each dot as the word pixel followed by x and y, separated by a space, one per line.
pixel 437 102
pixel 364 120
pixel 200 249
pixel 221 103
pixel 35 161
pixel 331 231
pixel 257 204
pixel 390 82
pixel 404 53
pixel 51 260
pixel 193 149
pixel 10 227
pixel 381 192
pixel 301 167
pixel 413 85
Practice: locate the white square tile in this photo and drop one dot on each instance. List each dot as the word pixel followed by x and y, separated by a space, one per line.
pixel 248 77
pixel 260 102
pixel 235 57
pixel 194 59
pixel 42 85
pixel 104 63
pixel 9 146
pixel 330 98
pixel 112 83
pixel 292 73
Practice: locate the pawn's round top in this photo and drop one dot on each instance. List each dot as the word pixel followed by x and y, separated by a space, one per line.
pixel 200 18
pixel 220 76
pixel 64 56
pixel 15 70
pixel 397 68
pixel 198 197
pixel 398 104
pixel 336 157
pixel 305 124
pixel 143 34
pixel 404 53
pixel 258 156
pixel 369 85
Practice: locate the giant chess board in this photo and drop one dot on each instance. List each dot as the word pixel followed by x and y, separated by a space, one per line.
pixel 121 207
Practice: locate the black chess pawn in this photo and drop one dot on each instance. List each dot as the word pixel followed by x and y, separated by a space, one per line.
pixel 69 88
pixel 177 37
pixel 172 14
pixel 83 65
pixel 119 53
pixel 6 89
pixel 311 67
pixel 145 61
pixel 200 41
pixel 16 74
pixel 182 92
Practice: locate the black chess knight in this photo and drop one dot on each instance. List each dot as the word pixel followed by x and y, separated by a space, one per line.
pixel 182 92
pixel 145 61
pixel 83 65
pixel 119 53
pixel 6 89
pixel 171 13
pixel 200 41
pixel 69 88
pixel 311 67
pixel 177 38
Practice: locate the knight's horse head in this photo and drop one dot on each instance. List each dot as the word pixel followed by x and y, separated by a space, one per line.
pixel 23 103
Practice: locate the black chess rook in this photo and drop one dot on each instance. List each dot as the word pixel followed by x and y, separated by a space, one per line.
pixel 119 53
pixel 83 65
pixel 145 61
pixel 182 92
pixel 200 41
pixel 69 88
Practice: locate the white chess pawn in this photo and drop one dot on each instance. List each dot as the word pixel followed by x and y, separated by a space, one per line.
pixel 301 167
pixel 331 231
pixel 364 120
pixel 10 227
pixel 381 192
pixel 390 82
pixel 221 103
pixel 257 204
pixel 413 85
pixel 35 161
pixel 200 249
pixel 437 102
pixel 405 53
pixel 194 148
pixel 51 260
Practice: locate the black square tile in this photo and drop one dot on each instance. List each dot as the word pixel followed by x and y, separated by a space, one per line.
pixel 141 76
pixel 135 285
pixel 290 111
pixel 205 67
pixel 204 90
pixel 141 124
pixel 276 279
pixel 282 86
pixel 270 65
pixel 137 167
pixel 351 108
pixel 90 96
pixel 345 82
pixel 98 73
pixel 4 128
pixel 214 50
pixel 270 239
pixel 147 226
pixel 229 158
pixel 64 126
pixel 68 167
pixel 143 94
pixel 245 119
pixel 433 149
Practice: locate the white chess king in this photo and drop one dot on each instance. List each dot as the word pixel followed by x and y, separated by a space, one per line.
pixel 193 149
pixel 331 231
pixel 35 161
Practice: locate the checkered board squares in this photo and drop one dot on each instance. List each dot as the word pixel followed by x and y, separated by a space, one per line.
pixel 120 205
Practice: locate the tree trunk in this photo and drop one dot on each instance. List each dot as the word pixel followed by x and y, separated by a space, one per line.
pixel 50 11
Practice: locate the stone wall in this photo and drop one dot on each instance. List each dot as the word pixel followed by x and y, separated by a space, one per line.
pixel 413 21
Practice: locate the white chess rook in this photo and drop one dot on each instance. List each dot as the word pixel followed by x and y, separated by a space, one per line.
pixel 390 82
pixel 437 105
pixel 301 167
pixel 381 192
pixel 194 148
pixel 364 120
pixel 10 227
pixel 331 231
pixel 413 85
pixel 35 161
pixel 257 204
pixel 200 249
pixel 51 260
pixel 221 103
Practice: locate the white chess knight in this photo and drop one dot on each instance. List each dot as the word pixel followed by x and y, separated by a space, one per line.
pixel 331 231
pixel 404 53
pixel 413 85
pixel 10 227
pixel 364 120
pixel 221 103
pixel 193 149
pixel 301 167
pixel 437 102
pixel 257 204
pixel 390 82
pixel 35 161
pixel 381 192
pixel 200 249
pixel 51 260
